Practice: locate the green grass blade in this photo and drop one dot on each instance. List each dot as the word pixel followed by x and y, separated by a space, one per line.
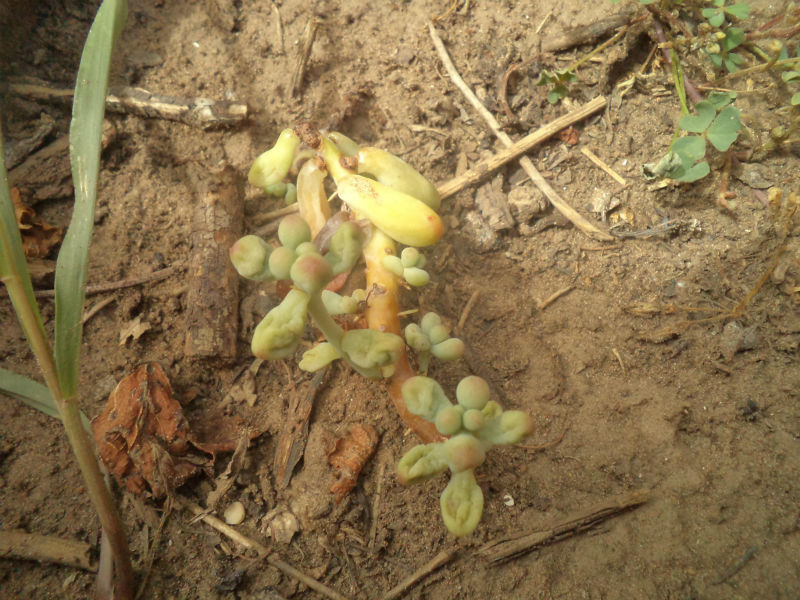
pixel 34 394
pixel 85 133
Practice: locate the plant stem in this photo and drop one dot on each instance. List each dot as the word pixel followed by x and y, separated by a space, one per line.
pixel 382 315
pixel 333 332
pixel 100 496
pixel 76 434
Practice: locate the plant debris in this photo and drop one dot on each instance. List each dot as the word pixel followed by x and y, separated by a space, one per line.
pixel 349 456
pixel 38 237
pixel 145 440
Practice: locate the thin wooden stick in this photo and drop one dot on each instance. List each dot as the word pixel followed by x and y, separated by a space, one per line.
pixel 262 550
pixel 518 148
pixel 99 288
pixel 603 166
pixel 553 297
pixel 279 29
pixel 376 505
pixel 467 309
pixel 522 543
pixel 44 548
pixel 309 35
pixel 202 112
pixel 444 557
pixel 525 162
pixel 97 308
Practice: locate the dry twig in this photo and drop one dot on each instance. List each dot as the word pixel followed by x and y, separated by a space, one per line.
pixel 201 112
pixel 525 162
pixel 553 297
pixel 100 288
pixel 467 309
pixel 518 148
pixel 441 559
pixel 516 545
pixel 300 69
pixel 262 550
pixel 603 166
pixel 44 548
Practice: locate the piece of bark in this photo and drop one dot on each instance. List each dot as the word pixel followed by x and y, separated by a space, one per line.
pixel 213 297
pixel 19 150
pixel 492 203
pixel 294 435
pixel 47 174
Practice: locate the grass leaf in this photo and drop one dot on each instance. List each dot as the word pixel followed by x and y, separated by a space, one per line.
pixel 34 394
pixel 85 133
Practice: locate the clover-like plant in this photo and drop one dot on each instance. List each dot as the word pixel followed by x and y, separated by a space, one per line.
pixel 557 80
pixel 386 202
pixel 473 425
pixel 716 121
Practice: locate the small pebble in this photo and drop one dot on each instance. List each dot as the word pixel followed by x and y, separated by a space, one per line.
pixel 234 514
pixel 508 500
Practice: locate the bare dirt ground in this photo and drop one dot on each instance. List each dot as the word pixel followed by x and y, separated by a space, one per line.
pixel 654 384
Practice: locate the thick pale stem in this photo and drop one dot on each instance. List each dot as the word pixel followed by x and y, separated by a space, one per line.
pixel 382 314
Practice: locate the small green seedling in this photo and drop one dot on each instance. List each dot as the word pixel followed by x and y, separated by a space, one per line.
pixel 717 14
pixel 717 121
pixel 474 425
pixel 558 79
pixel 721 52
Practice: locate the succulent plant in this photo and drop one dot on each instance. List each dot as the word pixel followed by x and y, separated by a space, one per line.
pixel 474 425
pixel 317 251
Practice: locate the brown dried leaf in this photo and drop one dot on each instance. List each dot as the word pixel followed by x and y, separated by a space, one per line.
pixel 142 435
pixel 38 237
pixel 349 456
pixel 135 328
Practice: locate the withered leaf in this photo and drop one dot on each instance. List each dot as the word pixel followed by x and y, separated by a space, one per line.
pixel 349 456
pixel 38 237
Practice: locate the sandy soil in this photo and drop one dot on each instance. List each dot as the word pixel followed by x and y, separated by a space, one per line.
pixel 637 377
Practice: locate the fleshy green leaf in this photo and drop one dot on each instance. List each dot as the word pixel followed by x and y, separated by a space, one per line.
pixel 698 123
pixel 725 128
pixel 318 357
pixel 279 333
pixel 795 99
pixel 369 348
pixel 422 462
pixel 462 503
pixel 84 142
pixel 424 397
pixel 507 428
pixel 688 175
